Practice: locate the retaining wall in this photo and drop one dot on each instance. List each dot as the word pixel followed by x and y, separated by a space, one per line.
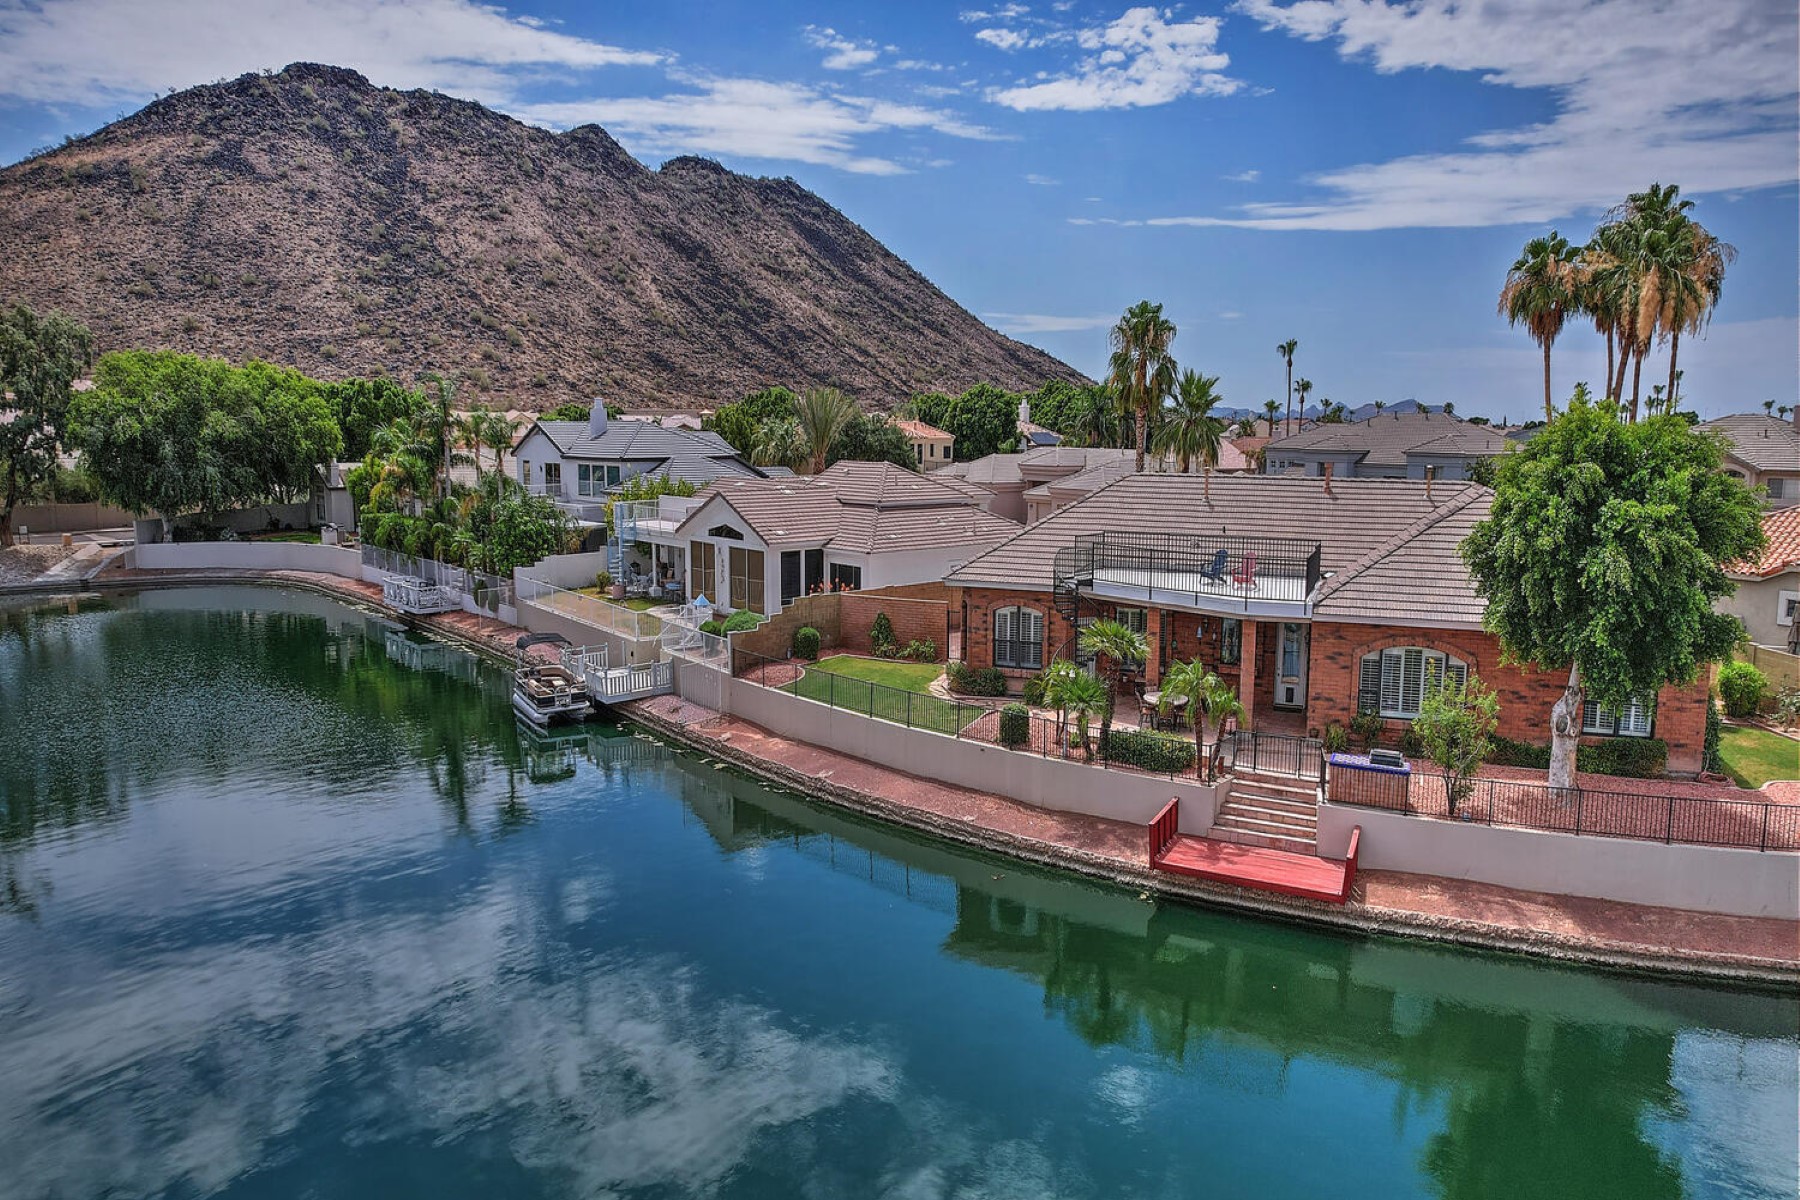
pixel 1750 883
pixel 70 518
pixel 1042 782
pixel 249 556
pixel 573 571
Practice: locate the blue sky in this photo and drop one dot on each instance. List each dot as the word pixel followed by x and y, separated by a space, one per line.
pixel 1354 174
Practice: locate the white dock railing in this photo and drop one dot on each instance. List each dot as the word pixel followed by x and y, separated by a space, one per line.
pixel 590 610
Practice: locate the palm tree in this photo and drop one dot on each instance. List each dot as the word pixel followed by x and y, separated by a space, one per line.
pixel 1071 691
pixel 1270 408
pixel 1192 432
pixel 435 424
pixel 1210 701
pixel 1246 427
pixel 1118 647
pixel 780 443
pixel 1093 419
pixel 1379 405
pixel 498 432
pixel 1303 389
pixel 1449 408
pixel 1541 291
pixel 1142 372
pixel 1594 297
pixel 1286 350
pixel 1769 408
pixel 822 414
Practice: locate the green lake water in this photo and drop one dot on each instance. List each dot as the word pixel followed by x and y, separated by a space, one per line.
pixel 290 907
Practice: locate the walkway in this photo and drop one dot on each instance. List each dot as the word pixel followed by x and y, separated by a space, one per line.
pixel 1389 901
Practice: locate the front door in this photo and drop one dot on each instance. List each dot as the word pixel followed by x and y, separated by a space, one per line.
pixel 1290 677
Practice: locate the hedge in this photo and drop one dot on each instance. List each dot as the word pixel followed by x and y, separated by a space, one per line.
pixel 987 681
pixel 806 642
pixel 1157 752
pixel 1015 726
pixel 1741 686
pixel 1634 758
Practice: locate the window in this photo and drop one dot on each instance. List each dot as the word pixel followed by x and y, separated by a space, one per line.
pixel 1787 605
pixel 747 589
pixel 595 480
pixel 1135 619
pixel 1634 721
pixel 1018 637
pixel 553 479
pixel 790 576
pixel 1231 641
pixel 918 452
pixel 525 471
pixel 845 577
pixel 703 569
pixel 1777 488
pixel 726 531
pixel 1393 682
pixel 815 571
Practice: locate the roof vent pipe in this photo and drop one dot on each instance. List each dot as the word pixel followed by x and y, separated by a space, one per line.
pixel 1430 474
pixel 1325 469
pixel 597 418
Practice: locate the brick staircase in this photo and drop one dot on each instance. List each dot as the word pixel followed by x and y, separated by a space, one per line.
pixel 1279 812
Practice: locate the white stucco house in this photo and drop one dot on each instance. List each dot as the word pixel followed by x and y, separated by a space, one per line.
pixel 758 544
pixel 576 463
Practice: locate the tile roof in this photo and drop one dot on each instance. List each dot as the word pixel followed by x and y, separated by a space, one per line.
pixel 696 455
pixel 1764 442
pixel 1362 526
pixel 863 508
pixel 920 429
pixel 1386 439
pixel 1782 528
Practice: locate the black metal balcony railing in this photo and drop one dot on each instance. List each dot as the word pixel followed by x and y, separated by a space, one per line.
pixel 1218 569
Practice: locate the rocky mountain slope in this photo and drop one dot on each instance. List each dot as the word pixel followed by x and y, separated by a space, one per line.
pixel 315 220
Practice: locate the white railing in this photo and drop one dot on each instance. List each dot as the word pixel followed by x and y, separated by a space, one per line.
pixel 634 518
pixel 413 595
pixel 590 610
pixel 392 562
pixel 579 660
pixel 689 642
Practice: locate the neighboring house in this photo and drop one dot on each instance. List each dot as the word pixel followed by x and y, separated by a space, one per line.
pixel 1764 452
pixel 1047 498
pixel 1320 598
pixel 932 447
pixel 1768 589
pixel 1007 477
pixel 1389 445
pixel 332 503
pixel 679 420
pixel 1034 436
pixel 758 544
pixel 576 463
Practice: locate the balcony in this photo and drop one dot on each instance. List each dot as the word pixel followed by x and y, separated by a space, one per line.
pixel 589 510
pixel 652 520
pixel 1213 573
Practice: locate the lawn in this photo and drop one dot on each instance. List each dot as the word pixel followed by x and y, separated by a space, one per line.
pixel 893 691
pixel 296 536
pixel 1754 756
pixel 635 604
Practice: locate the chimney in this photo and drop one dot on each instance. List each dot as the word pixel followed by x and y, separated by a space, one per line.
pixel 1430 474
pixel 1024 410
pixel 597 418
pixel 1325 468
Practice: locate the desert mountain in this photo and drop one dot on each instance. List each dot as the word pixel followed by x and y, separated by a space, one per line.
pixel 313 219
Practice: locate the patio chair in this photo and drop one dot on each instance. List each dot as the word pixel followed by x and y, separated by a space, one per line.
pixel 1245 575
pixel 1215 570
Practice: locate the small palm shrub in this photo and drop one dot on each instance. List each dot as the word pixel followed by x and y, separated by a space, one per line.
pixel 1015 726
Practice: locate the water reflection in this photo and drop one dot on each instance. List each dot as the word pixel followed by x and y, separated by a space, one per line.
pixel 303 910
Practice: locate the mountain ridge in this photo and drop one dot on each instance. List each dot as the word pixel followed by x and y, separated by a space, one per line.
pixel 314 219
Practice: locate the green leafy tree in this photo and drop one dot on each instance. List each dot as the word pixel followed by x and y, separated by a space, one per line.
pixel 868 437
pixel 1192 433
pixel 741 421
pixel 984 420
pixel 779 443
pixel 1141 371
pixel 1118 648
pixel 1456 725
pixel 362 406
pixel 1091 419
pixel 1286 350
pixel 1604 553
pixel 1541 292
pixel 822 414
pixel 1211 701
pixel 580 410
pixel 40 358
pixel 174 434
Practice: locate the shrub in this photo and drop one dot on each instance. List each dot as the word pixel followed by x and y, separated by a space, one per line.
pixel 1635 758
pixel 1787 705
pixel 1157 752
pixel 881 636
pixel 1367 728
pixel 806 642
pixel 1505 752
pixel 1741 686
pixel 1034 689
pixel 1336 739
pixel 1015 726
pixel 742 619
pixel 1709 747
pixel 971 681
pixel 922 651
pixel 1412 743
pixel 603 580
pixel 713 626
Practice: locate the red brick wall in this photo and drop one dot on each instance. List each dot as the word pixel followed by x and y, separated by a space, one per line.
pixel 913 620
pixel 978 637
pixel 941 592
pixel 1525 695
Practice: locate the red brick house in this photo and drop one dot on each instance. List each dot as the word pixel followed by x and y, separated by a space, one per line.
pixel 1320 597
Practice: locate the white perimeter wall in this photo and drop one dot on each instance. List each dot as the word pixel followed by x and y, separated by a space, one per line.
pixel 249 556
pixel 1042 782
pixel 1750 883
pixel 572 571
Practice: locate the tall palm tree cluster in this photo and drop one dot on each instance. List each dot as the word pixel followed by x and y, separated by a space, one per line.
pixel 1143 379
pixel 1649 274
pixel 803 441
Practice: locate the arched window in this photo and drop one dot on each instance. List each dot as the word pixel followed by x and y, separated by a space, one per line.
pixel 1394 681
pixel 1018 637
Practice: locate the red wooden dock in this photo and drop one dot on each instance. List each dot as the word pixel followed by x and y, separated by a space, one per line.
pixel 1302 875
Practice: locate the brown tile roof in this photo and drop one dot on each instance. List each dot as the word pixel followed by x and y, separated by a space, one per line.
pixel 1361 525
pixel 863 508
pixel 920 429
pixel 1782 528
pixel 1387 438
pixel 1764 442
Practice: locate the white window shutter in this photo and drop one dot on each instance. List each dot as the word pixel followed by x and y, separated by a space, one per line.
pixel 1368 691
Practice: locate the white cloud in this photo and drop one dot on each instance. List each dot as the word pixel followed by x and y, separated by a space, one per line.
pixel 1139 60
pixel 100 52
pixel 1041 180
pixel 1243 177
pixel 1006 12
pixel 1701 92
pixel 844 54
pixel 1027 323
pixel 1104 221
pixel 1230 316
pixel 752 118
pixel 1007 39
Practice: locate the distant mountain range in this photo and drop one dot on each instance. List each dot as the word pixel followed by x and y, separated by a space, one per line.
pixel 313 219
